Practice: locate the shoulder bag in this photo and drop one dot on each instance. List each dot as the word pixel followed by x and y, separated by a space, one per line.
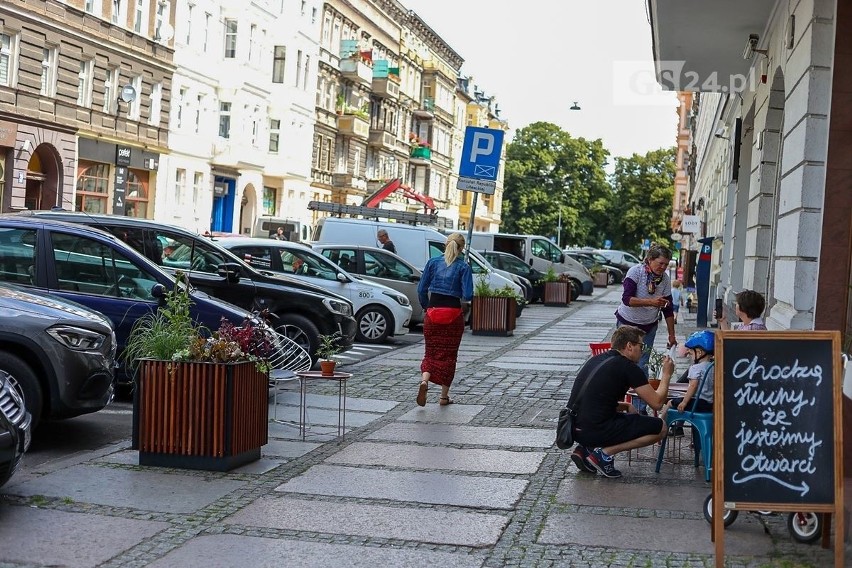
pixel 565 425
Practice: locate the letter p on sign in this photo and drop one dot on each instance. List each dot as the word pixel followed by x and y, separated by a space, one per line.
pixel 480 159
pixel 478 148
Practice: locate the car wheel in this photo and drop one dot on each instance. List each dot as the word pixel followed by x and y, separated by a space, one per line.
pixel 576 289
pixel 302 331
pixel 25 382
pixel 374 324
pixel 610 278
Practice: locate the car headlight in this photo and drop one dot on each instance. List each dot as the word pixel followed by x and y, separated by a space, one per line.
pixel 77 338
pixel 338 307
pixel 400 299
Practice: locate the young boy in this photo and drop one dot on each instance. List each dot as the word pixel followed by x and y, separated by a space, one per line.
pixel 748 308
pixel 677 297
pixel 701 347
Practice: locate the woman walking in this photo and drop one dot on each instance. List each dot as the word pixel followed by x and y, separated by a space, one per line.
pixel 446 286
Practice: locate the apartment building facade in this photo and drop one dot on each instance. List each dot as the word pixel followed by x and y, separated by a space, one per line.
pixel 84 91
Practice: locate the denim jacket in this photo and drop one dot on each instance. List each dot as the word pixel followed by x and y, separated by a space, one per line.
pixel 453 280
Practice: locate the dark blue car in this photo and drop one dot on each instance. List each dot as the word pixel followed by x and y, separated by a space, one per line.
pixel 95 269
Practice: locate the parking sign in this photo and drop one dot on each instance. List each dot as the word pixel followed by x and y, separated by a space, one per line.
pixel 480 159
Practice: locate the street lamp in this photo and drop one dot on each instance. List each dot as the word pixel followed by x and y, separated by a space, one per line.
pixel 575 106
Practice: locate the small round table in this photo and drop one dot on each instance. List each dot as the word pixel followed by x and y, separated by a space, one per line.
pixel 341 379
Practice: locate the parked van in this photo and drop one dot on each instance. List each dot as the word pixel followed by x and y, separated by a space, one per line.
pixel 268 226
pixel 414 243
pixel 541 254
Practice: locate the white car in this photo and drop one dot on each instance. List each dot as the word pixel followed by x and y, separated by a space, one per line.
pixel 379 311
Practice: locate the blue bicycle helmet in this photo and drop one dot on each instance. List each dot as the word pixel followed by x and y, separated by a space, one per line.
pixel 705 339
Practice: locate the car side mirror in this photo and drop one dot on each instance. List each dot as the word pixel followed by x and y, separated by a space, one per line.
pixel 561 258
pixel 342 278
pixel 531 262
pixel 230 271
pixel 414 277
pixel 158 291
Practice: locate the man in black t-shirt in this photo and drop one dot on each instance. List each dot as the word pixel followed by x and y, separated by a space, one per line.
pixel 384 240
pixel 606 425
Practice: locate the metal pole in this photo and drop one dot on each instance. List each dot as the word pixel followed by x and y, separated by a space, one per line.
pixel 559 230
pixel 470 227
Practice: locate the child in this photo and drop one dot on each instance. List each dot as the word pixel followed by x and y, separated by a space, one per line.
pixel 748 308
pixel 677 297
pixel 701 347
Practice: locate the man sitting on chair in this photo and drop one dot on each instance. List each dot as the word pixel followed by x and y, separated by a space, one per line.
pixel 605 425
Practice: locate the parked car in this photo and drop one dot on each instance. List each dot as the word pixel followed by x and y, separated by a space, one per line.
pixel 298 309
pixel 379 311
pixel 96 270
pixel 614 275
pixel 58 354
pixel 378 265
pixel 619 258
pixel 513 264
pixel 15 428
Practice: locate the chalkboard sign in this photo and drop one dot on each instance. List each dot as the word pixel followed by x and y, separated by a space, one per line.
pixel 778 409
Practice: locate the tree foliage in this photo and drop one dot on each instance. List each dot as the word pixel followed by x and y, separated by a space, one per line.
pixel 547 170
pixel 643 189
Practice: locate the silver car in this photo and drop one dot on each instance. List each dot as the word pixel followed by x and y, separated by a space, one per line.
pixel 378 265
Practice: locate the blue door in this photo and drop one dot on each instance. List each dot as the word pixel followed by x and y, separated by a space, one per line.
pixel 223 206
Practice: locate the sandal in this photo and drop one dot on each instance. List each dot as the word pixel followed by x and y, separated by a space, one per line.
pixel 421 393
pixel 445 400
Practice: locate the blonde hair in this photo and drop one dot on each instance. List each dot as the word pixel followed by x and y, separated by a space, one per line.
pixel 676 283
pixel 454 246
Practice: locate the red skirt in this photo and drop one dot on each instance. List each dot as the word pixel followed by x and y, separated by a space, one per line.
pixel 442 343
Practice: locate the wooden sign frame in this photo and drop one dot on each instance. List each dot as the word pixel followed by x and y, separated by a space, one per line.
pixel 719 501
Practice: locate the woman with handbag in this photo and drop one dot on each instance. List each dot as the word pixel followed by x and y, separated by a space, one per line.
pixel 445 288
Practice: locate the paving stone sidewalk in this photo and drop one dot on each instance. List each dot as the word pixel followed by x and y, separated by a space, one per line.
pixel 477 483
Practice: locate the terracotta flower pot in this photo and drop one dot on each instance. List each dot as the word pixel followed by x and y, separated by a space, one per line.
pixel 327 368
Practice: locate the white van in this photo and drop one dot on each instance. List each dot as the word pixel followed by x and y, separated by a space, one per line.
pixel 541 254
pixel 414 243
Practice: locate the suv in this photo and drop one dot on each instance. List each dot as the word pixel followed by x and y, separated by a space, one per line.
pixel 591 260
pixel 57 354
pixel 299 310
pixel 15 428
pixel 95 270
pixel 511 263
pixel 379 311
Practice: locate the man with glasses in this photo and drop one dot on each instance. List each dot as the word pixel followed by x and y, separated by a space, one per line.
pixel 605 425
pixel 646 294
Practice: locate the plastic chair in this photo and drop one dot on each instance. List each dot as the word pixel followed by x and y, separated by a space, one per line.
pixel 701 424
pixel 598 348
pixel 287 359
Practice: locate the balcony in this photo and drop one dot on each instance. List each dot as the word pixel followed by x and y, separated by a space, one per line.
pixel 357 70
pixel 386 87
pixel 426 110
pixel 348 181
pixel 421 156
pixel 381 139
pixel 353 125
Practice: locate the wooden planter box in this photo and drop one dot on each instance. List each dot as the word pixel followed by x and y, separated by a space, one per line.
pixel 210 416
pixel 493 316
pixel 601 279
pixel 557 293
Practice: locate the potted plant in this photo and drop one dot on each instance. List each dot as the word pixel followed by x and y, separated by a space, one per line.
pixel 600 276
pixel 326 351
pixel 200 400
pixel 493 309
pixel 655 365
pixel 557 290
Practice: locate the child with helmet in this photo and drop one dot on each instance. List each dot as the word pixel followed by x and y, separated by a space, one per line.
pixel 701 346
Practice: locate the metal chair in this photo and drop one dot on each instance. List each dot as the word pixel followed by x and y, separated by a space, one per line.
pixel 598 348
pixel 287 359
pixel 701 424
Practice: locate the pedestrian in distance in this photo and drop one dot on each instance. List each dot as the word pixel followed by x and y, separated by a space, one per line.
pixel 605 425
pixel 445 290
pixel 677 298
pixel 748 308
pixel 646 294
pixel 385 241
pixel 279 234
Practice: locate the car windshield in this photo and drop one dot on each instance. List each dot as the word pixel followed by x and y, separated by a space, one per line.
pixel 307 263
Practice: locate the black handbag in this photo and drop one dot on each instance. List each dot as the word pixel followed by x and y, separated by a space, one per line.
pixel 565 425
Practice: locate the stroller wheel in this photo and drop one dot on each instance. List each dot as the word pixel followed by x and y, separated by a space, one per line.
pixel 729 517
pixel 805 527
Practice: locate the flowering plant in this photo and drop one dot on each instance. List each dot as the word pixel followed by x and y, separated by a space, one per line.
pixel 416 141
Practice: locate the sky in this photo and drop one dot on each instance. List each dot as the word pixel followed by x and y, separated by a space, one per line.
pixel 537 57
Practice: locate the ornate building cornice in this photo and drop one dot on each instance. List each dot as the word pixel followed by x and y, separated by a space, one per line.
pixel 434 41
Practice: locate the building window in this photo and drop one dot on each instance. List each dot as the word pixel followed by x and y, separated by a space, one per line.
pixel 225 120
pixel 84 84
pixel 156 104
pixel 270 198
pixel 230 39
pixel 89 6
pixel 162 18
pixel 140 22
pixel 92 187
pixel 207 18
pixel 8 49
pixel 119 15
pixel 252 41
pixel 135 108
pixel 279 55
pixel 197 188
pixel 255 126
pixel 48 72
pixel 274 135
pixel 298 67
pixel 188 38
pixel 305 74
pixel 110 90
pixel 199 104
pixel 181 101
pixel 180 186
pixel 136 204
pixel 313 15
